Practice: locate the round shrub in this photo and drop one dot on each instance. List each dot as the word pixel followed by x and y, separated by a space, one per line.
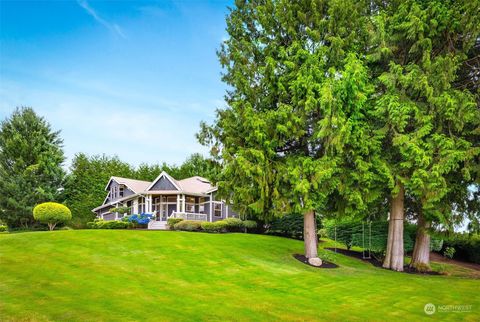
pixel 172 221
pixel 188 225
pixel 214 227
pixel 233 224
pixel 3 228
pixel 51 213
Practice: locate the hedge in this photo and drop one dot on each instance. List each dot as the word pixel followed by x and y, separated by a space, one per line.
pixel 221 226
pixel 172 221
pixel 467 247
pixel 214 227
pixel 108 224
pixel 233 224
pixel 188 225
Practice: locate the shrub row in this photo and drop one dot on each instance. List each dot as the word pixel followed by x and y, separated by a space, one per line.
pixel 467 247
pixel 110 224
pixel 221 226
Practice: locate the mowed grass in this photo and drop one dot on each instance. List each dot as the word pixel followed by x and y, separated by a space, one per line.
pixel 160 275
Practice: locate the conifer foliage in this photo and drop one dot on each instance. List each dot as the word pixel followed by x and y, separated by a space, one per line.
pixel 337 105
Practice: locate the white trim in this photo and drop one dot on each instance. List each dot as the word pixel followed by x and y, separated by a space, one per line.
pixel 119 183
pixel 122 200
pixel 166 175
pixel 211 190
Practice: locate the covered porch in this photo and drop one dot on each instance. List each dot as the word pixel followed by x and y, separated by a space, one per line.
pixel 188 207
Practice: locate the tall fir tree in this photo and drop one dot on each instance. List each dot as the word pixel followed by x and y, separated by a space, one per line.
pixel 31 159
pixel 427 123
pixel 296 110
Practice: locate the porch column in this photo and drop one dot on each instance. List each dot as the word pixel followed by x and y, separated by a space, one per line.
pixel 226 210
pixel 210 208
pixel 183 203
pixel 178 203
pixel 135 206
pixel 116 212
pixel 149 204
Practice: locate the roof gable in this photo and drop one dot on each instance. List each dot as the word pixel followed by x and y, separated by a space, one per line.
pixel 164 182
pixel 137 186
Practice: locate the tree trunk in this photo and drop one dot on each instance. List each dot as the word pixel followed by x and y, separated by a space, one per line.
pixel 394 255
pixel 421 250
pixel 310 234
pixel 51 226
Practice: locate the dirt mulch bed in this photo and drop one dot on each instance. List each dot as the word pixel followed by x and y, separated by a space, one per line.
pixel 304 260
pixel 440 259
pixel 377 263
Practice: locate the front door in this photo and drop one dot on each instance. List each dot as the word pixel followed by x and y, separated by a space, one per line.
pixel 163 211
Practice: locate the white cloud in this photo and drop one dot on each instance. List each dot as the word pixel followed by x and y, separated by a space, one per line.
pixel 109 25
pixel 95 124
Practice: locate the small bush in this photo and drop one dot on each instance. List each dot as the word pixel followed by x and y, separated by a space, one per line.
pixel 172 221
pixel 250 224
pixel 120 210
pixel 188 225
pixel 214 227
pixel 436 244
pixel 3 228
pixel 322 233
pixel 449 252
pixel 51 213
pixel 139 220
pixel 233 224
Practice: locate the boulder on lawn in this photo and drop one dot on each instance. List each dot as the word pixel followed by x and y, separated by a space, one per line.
pixel 315 261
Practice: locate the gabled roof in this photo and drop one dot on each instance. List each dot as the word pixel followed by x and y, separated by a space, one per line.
pixel 163 175
pixel 137 186
pixel 195 184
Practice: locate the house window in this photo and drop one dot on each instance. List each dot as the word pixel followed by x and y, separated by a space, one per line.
pixel 201 208
pixel 172 199
pixel 121 191
pixel 217 209
pixel 190 207
pixel 141 205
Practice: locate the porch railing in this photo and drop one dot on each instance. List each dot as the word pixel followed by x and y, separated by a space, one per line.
pixel 189 216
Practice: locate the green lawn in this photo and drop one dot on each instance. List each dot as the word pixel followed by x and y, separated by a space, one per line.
pixel 161 275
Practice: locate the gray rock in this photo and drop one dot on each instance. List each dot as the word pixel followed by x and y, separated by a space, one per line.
pixel 315 261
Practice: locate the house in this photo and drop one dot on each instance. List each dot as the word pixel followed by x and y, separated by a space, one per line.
pixel 191 198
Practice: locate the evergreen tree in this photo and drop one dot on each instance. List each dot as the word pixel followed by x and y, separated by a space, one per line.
pixel 31 159
pixel 428 125
pixel 85 185
pixel 297 110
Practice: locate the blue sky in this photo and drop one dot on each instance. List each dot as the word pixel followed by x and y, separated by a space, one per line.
pixel 129 78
